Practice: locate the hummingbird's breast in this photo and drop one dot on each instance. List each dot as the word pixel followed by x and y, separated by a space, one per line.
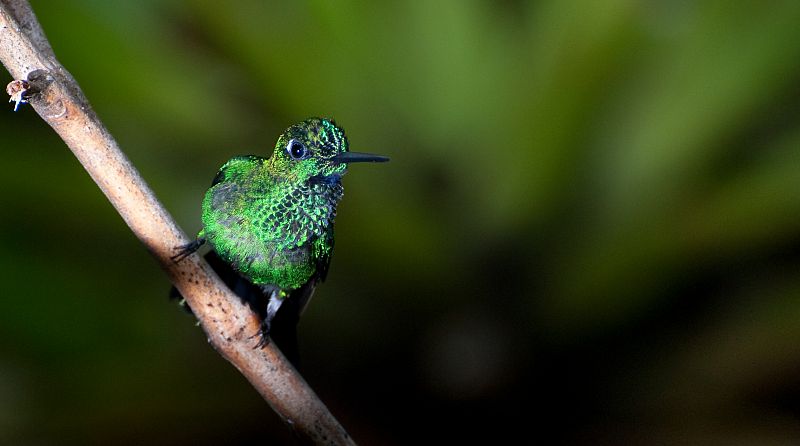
pixel 271 231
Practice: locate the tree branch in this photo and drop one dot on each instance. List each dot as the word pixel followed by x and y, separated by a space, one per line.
pixel 229 324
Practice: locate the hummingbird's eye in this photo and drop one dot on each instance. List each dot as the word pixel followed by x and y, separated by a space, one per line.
pixel 296 149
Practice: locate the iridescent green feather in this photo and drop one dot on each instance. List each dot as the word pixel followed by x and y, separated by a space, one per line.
pixel 268 219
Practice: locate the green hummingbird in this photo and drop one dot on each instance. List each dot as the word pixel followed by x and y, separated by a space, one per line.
pixel 271 219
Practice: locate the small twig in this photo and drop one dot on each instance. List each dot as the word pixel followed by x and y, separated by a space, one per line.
pixel 229 324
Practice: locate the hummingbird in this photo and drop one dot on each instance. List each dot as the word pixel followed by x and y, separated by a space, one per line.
pixel 271 219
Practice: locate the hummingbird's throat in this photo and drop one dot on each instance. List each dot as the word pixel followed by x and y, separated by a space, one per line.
pixel 328 180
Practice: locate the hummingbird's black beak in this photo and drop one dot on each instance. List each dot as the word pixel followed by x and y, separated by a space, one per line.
pixel 357 157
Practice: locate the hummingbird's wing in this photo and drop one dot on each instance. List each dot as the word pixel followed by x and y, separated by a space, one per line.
pixel 324 261
pixel 304 294
pixel 236 165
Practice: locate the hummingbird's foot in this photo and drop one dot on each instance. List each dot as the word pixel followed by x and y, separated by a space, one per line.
pixel 188 249
pixel 276 297
pixel 262 335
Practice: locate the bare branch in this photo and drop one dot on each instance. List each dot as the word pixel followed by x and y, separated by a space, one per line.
pixel 229 324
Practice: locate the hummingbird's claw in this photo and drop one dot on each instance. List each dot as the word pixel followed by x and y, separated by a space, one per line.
pixel 263 336
pixel 186 250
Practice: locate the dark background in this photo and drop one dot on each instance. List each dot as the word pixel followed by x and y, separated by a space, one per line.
pixel 589 232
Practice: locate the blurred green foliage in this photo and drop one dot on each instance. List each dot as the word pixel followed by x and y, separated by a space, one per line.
pixel 589 230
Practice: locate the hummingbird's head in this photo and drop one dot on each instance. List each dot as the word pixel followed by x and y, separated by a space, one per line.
pixel 315 150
